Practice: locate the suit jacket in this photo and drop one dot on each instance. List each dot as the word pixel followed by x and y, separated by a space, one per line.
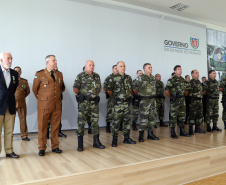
pixel 47 91
pixel 7 97
pixel 22 91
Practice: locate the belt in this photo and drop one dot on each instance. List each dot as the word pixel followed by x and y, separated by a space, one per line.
pixel 91 99
pixel 123 99
pixel 215 98
pixel 146 97
pixel 195 98
pixel 160 97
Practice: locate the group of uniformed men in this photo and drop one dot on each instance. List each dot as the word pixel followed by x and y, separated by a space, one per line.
pixel 145 93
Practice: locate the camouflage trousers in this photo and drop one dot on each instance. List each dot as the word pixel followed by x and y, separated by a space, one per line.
pixel 86 109
pixel 195 112
pixel 109 110
pixel 148 114
pixel 224 107
pixel 160 104
pixel 177 112
pixel 212 108
pixel 135 114
pixel 121 113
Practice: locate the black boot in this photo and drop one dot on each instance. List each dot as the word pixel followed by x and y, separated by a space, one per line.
pixel 151 135
pixel 80 143
pixel 208 129
pixel 224 124
pixel 114 141
pixel 108 127
pixel 47 135
pixel 183 133
pixel 60 134
pixel 134 126
pixel 97 143
pixel 191 130
pixel 173 133
pixel 162 124
pixel 215 127
pixel 89 128
pixel 198 130
pixel 141 136
pixel 128 140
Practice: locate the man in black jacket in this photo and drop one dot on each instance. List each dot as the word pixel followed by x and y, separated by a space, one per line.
pixel 8 85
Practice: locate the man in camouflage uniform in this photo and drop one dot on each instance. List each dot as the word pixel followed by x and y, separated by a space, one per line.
pixel 212 108
pixel 187 99
pixel 195 105
pixel 175 90
pixel 87 86
pixel 110 99
pixel 204 99
pixel 222 88
pixel 120 88
pixel 135 103
pixel 160 99
pixel 145 88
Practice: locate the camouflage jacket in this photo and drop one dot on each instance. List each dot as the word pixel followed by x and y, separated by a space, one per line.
pixel 195 88
pixel 121 86
pixel 223 85
pixel 159 89
pixel 106 81
pixel 146 86
pixel 176 85
pixel 88 85
pixel 212 88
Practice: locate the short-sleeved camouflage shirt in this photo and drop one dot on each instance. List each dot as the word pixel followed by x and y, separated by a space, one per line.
pixel 145 85
pixel 107 80
pixel 195 88
pixel 121 86
pixel 159 88
pixel 88 85
pixel 176 85
pixel 212 88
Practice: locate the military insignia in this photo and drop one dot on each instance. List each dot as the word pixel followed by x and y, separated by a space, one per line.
pixel 43 79
pixel 14 79
pixel 59 80
pixel 44 85
pixel 110 80
pixel 94 84
pixel 168 82
pixel 36 76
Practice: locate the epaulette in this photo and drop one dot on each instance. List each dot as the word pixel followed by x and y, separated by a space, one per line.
pixel 40 71
pixel 24 79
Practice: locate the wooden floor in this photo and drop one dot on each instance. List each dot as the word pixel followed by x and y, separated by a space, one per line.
pixel 72 167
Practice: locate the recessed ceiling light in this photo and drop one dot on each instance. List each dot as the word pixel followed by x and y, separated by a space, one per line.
pixel 179 7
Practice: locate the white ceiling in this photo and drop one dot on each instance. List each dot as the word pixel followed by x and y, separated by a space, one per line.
pixel 209 11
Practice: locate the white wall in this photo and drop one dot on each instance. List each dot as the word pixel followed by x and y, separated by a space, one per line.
pixel 75 32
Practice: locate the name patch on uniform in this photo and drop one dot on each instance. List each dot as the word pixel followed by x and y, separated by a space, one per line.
pixel 14 79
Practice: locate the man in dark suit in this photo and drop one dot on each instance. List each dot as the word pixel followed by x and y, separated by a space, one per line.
pixel 8 85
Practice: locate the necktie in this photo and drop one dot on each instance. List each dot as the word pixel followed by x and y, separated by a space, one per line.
pixel 52 75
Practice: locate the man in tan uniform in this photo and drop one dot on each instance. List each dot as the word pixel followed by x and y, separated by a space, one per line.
pixel 47 88
pixel 22 91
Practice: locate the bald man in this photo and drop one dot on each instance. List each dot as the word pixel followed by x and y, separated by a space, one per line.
pixel 87 87
pixel 120 88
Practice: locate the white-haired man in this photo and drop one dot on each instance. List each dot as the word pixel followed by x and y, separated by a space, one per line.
pixel 47 88
pixel 8 85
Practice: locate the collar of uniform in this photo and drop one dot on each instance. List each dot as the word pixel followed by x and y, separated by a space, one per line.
pixel 87 74
pixel 147 75
pixel 3 69
pixel 50 70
